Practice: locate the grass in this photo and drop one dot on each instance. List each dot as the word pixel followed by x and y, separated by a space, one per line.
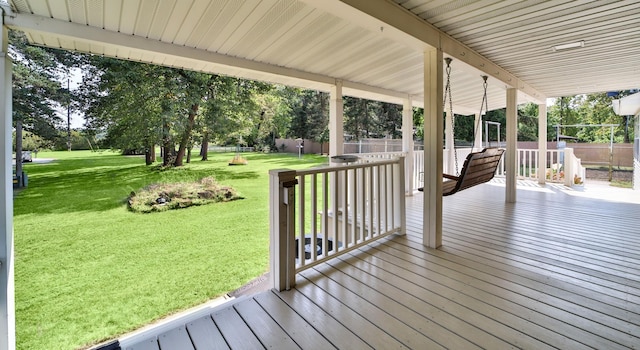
pixel 88 269
pixel 621 184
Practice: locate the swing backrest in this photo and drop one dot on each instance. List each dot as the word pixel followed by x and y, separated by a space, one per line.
pixel 479 167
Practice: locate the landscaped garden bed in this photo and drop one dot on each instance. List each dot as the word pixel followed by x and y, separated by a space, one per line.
pixel 162 197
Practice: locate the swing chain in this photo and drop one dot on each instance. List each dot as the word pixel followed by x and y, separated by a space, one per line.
pixel 447 92
pixel 485 104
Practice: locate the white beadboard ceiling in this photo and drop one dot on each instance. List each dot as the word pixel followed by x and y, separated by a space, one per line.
pixel 311 43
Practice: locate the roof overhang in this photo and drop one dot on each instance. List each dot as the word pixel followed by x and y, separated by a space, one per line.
pixel 114 44
pixel 628 105
pixel 401 25
pixel 400 34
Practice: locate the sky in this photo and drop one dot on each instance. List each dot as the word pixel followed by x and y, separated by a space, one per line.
pixel 77 119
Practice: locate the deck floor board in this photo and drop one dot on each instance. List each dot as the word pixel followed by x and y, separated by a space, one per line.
pixel 555 270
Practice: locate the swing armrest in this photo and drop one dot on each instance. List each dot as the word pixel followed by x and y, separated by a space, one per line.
pixel 450 177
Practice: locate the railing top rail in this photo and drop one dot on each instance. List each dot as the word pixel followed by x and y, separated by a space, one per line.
pixel 327 168
pixel 375 153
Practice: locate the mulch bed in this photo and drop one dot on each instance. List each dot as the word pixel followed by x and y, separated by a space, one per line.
pixel 603 175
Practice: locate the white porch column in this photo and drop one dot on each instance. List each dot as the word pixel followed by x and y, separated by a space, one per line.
pixel 512 143
pixel 407 144
pixel 636 154
pixel 449 144
pixel 7 304
pixel 336 120
pixel 477 136
pixel 433 129
pixel 542 143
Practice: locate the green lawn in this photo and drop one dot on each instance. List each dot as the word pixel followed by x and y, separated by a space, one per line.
pixel 87 269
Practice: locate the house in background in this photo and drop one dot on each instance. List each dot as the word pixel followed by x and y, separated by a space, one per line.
pixel 390 51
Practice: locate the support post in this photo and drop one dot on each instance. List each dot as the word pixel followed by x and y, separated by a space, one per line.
pixel 611 156
pixel 477 137
pixel 336 120
pixel 7 301
pixel 433 129
pixel 512 142
pixel 568 167
pixel 542 143
pixel 636 154
pixel 282 247
pixel 336 134
pixel 399 199
pixel 407 144
pixel 449 143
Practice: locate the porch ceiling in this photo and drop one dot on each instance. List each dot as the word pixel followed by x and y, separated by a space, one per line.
pixel 312 43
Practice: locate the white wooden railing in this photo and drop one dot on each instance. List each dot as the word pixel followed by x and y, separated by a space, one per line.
pixel 418 168
pixel 562 166
pixel 336 209
pixel 418 163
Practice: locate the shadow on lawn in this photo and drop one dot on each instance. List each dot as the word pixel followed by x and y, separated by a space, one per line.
pixel 76 185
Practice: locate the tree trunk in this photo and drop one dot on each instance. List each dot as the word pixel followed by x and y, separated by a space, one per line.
pixel 147 156
pixel 166 145
pixel 187 134
pixel 148 151
pixel 153 153
pixel 189 155
pixel 204 149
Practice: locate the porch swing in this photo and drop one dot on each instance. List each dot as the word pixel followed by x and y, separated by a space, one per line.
pixel 478 167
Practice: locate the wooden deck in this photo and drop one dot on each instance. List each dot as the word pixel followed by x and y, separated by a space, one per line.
pixel 555 270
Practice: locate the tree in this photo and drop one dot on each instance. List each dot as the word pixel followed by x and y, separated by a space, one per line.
pixel 131 102
pixel 418 123
pixel 230 112
pixel 275 116
pixel 309 113
pixel 564 112
pixel 37 87
pixel 597 109
pixel 528 122
pixel 389 119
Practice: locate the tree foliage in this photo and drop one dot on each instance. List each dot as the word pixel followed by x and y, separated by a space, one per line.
pixel 371 119
pixel 592 109
pixel 309 113
pixel 39 86
pixel 139 106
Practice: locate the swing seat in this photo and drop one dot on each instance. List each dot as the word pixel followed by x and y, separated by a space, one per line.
pixel 478 168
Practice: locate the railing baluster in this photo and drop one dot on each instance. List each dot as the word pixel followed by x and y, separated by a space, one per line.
pixel 353 207
pixel 301 222
pixel 345 212
pixel 390 183
pixel 363 203
pixel 378 200
pixel 314 217
pixel 325 214
pixel 385 217
pixel 334 208
pixel 370 201
pixel 534 166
